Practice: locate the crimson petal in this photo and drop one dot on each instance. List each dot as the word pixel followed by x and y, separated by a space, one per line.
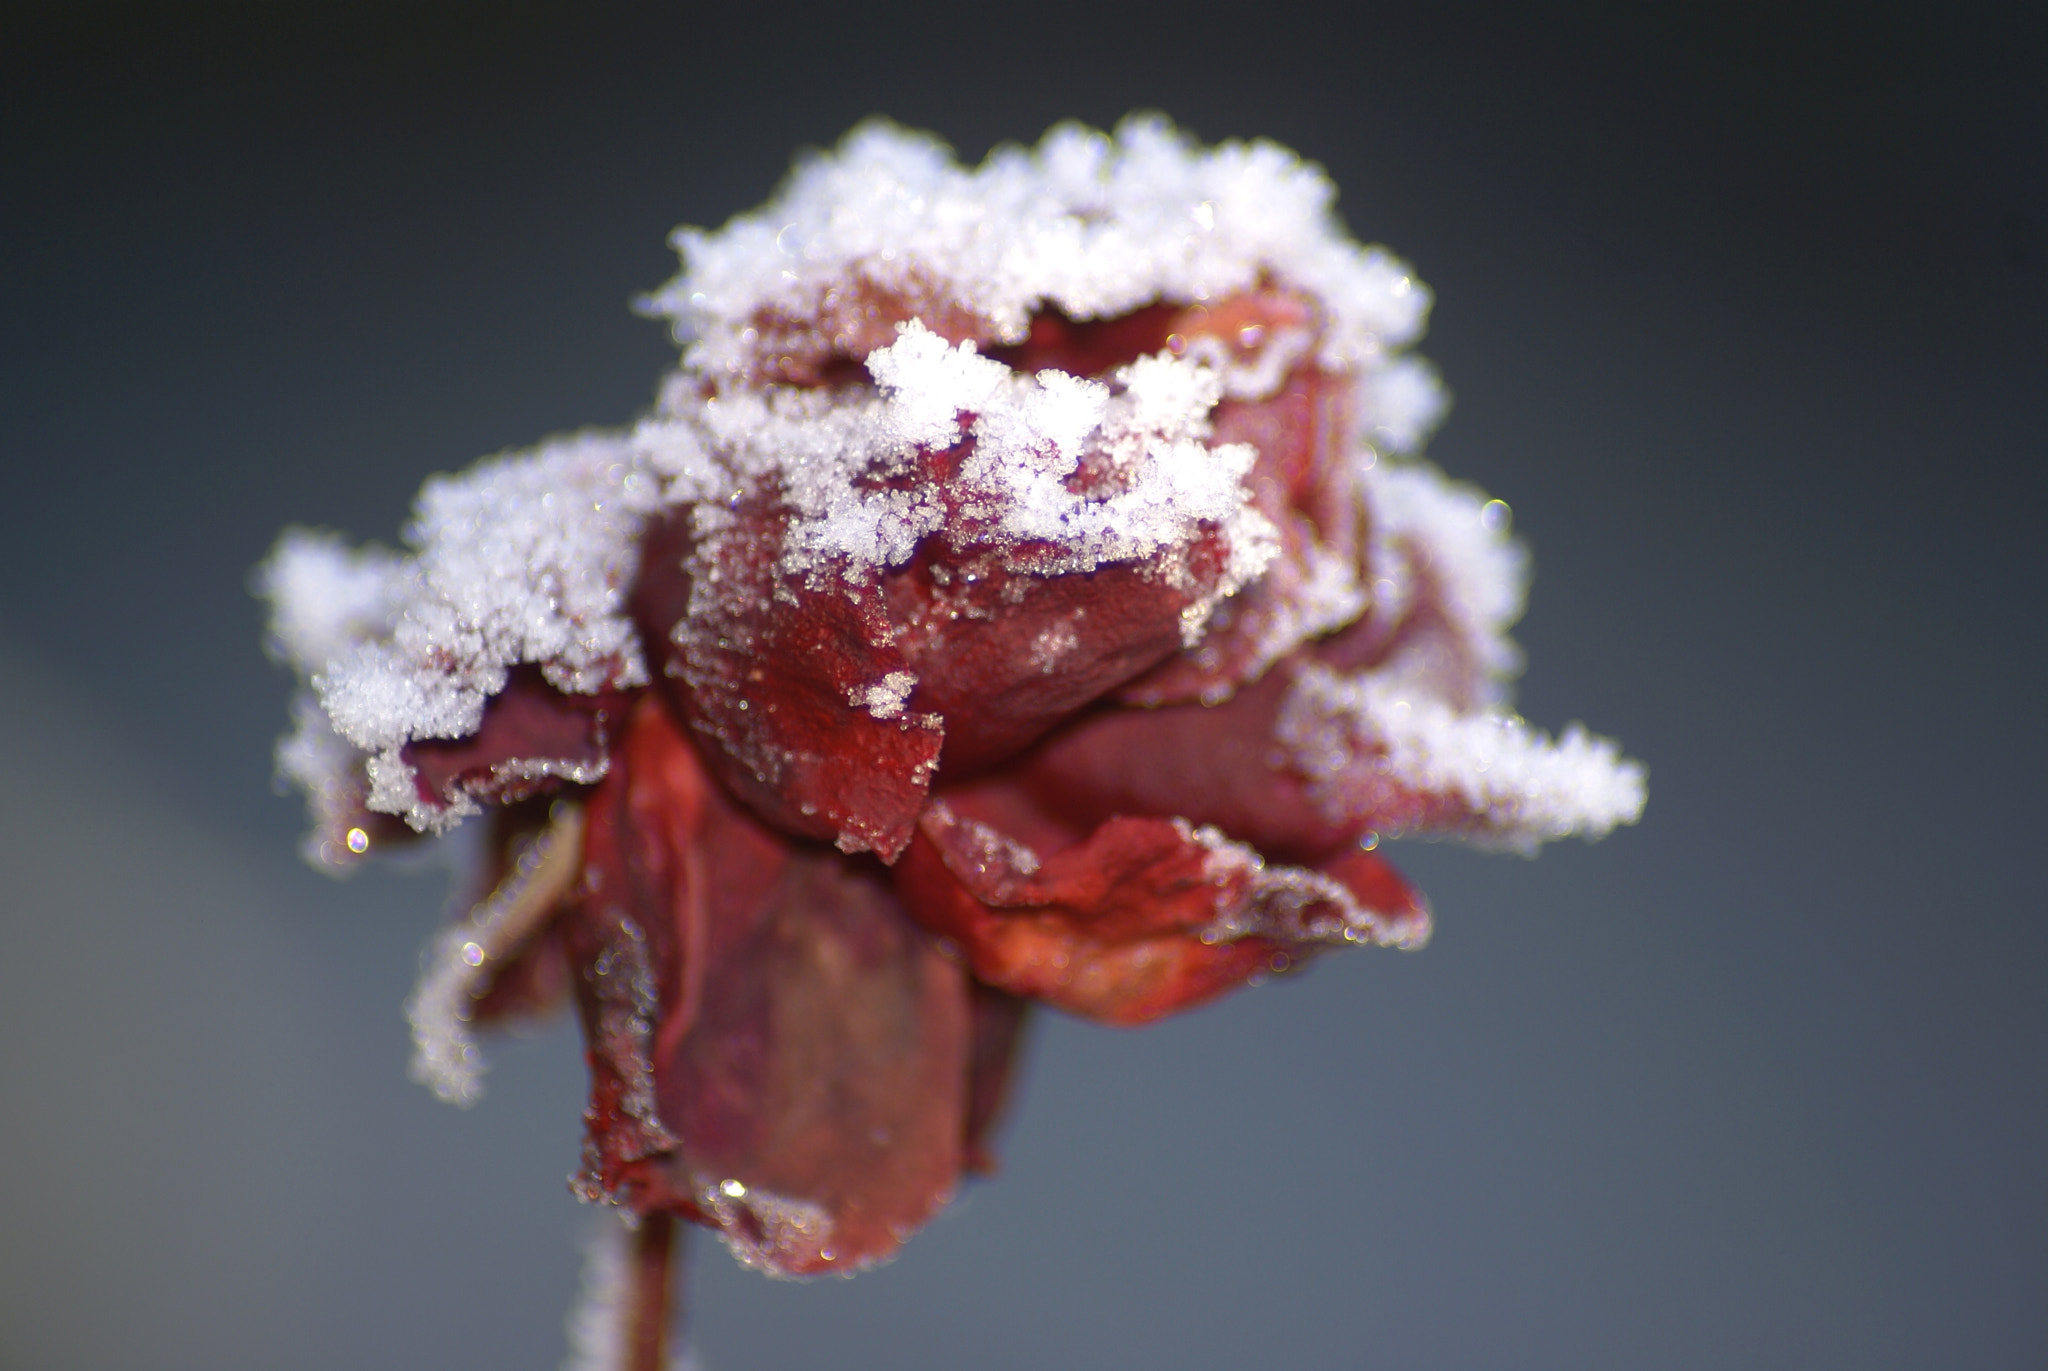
pixel 532 739
pixel 775 1049
pixel 1143 918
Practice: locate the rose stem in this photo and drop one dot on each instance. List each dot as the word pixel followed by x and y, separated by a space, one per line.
pixel 652 1302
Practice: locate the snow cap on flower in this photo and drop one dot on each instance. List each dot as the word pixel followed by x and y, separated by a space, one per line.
pixel 1092 225
pixel 1025 591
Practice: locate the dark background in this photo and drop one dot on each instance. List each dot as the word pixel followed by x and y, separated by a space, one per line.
pixel 1746 312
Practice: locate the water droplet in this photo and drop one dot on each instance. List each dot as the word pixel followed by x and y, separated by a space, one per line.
pixel 358 841
pixel 733 1190
pixel 1370 841
pixel 473 954
pixel 1494 515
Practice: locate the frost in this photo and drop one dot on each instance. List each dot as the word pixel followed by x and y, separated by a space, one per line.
pixel 1521 787
pixel 325 596
pixel 464 956
pixel 885 698
pixel 765 1231
pixel 1093 225
pixel 524 558
pixel 328 769
pixel 1400 404
pixel 1435 538
pixel 829 458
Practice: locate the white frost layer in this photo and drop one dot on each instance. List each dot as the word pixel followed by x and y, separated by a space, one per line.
pixel 463 956
pixel 1435 536
pixel 1524 788
pixel 823 451
pixel 325 596
pixel 1093 224
pixel 526 558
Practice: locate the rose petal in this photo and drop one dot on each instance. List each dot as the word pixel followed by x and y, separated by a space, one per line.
pixel 1143 918
pixel 1003 656
pixel 532 739
pixel 775 1049
pixel 820 1095
pixel 781 680
pixel 1211 764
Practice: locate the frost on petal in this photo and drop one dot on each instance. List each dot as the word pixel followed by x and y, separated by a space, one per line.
pixel 779 680
pixel 531 738
pixel 465 957
pixel 1144 917
pixel 958 560
pixel 1375 748
pixel 331 773
pixel 1447 582
pixel 777 1051
pixel 520 560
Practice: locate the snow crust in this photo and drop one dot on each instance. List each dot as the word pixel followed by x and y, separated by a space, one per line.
pixel 827 457
pixel 523 558
pixel 1092 224
pixel 1521 787
pixel 1448 541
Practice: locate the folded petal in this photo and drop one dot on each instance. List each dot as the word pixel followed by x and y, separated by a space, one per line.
pixel 532 739
pixel 1144 917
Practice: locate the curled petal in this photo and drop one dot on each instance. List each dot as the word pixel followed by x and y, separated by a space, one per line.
pixel 1143 918
pixel 533 738
pixel 1003 656
pixel 1212 764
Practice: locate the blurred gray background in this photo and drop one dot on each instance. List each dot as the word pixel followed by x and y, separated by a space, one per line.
pixel 1746 312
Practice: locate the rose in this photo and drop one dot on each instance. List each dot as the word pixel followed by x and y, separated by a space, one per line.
pixel 1017 597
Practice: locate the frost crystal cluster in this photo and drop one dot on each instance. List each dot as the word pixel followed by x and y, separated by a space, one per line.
pixel 1026 590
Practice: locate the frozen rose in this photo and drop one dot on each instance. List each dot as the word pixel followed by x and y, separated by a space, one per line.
pixel 1024 592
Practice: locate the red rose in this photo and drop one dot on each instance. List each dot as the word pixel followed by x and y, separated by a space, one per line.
pixel 1018 596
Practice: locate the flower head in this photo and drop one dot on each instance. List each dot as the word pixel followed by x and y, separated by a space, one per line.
pixel 1023 592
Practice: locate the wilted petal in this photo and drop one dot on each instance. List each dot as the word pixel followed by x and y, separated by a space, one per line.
pixel 533 738
pixel 776 1049
pixel 820 1095
pixel 1143 918
pixel 797 690
pixel 1211 764
pixel 1003 656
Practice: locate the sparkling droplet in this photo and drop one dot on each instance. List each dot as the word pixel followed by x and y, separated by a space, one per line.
pixel 733 1190
pixel 473 954
pixel 358 841
pixel 1494 515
